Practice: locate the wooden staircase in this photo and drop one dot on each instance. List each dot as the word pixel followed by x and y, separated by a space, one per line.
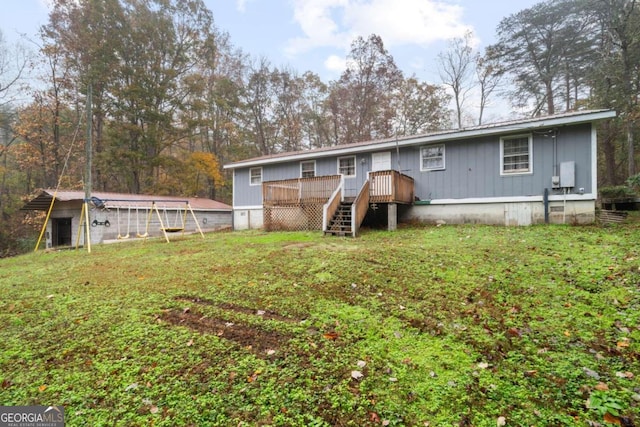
pixel 340 224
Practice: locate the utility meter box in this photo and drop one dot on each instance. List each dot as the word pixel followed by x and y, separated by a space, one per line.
pixel 555 181
pixel 568 174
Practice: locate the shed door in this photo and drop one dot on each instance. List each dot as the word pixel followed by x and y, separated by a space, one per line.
pixel 61 231
pixel 381 161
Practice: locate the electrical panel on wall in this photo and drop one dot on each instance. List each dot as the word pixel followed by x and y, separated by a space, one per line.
pixel 568 174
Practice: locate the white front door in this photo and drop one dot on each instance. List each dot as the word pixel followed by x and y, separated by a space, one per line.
pixel 381 161
pixel 381 184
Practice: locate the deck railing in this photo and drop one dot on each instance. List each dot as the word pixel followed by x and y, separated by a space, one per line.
pixel 330 208
pixel 391 187
pixel 360 207
pixel 301 190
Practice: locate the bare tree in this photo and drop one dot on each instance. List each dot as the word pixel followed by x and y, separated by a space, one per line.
pixel 13 63
pixel 489 76
pixel 456 68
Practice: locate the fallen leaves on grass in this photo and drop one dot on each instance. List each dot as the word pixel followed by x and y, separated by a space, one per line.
pixel 330 335
pixel 253 377
pixel 623 343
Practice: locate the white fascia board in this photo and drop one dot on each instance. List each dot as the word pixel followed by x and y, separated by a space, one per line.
pixel 485 130
pixel 247 208
pixel 519 199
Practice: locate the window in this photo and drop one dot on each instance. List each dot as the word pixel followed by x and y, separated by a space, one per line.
pixel 255 176
pixel 432 157
pixel 516 155
pixel 308 169
pixel 347 166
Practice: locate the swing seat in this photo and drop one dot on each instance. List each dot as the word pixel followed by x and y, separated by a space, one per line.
pixel 173 229
pixel 126 236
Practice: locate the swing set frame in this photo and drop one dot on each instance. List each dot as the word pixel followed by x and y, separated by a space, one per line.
pixel 165 227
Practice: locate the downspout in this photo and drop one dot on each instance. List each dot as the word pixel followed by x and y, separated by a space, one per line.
pixel 545 200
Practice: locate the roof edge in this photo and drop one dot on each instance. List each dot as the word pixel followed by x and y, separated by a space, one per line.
pixel 440 136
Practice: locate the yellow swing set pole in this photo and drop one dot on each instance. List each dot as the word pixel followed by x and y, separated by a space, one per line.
pixel 146 226
pixel 184 218
pixel 195 219
pixel 162 227
pixel 46 220
pixel 80 226
pixel 87 226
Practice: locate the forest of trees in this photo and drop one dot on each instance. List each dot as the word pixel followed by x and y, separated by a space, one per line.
pixel 173 99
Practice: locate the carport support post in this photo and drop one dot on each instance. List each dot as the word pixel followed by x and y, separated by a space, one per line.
pixel 392 217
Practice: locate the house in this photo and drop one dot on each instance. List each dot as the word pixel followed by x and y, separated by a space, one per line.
pixel 115 216
pixel 518 172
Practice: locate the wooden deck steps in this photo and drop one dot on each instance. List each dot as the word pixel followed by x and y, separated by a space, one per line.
pixel 340 224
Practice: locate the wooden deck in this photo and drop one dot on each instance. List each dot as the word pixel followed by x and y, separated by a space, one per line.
pixel 299 191
pixel 311 203
pixel 384 187
pixel 390 187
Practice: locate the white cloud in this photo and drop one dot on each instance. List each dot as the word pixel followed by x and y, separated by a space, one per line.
pixel 241 5
pixel 335 23
pixel 317 23
pixel 335 63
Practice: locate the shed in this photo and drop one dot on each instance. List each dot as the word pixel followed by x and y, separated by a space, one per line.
pixel 119 216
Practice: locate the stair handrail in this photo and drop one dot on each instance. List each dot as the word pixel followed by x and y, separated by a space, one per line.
pixel 360 207
pixel 330 208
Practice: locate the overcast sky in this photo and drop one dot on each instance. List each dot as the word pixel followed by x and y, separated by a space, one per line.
pixel 315 35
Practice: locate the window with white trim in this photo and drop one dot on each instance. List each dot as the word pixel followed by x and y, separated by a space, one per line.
pixel 516 155
pixel 255 176
pixel 308 169
pixel 432 157
pixel 347 166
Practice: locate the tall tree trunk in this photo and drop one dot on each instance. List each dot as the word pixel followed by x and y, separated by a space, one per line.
pixel 549 91
pixel 630 148
pixel 609 151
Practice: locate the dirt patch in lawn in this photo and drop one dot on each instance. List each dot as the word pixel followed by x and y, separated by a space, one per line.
pixel 261 342
pixel 265 314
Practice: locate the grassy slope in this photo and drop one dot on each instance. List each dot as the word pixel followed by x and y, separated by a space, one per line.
pixel 447 326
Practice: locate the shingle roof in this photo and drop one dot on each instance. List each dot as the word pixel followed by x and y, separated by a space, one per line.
pixel 114 200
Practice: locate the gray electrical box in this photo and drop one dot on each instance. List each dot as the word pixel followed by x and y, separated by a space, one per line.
pixel 568 174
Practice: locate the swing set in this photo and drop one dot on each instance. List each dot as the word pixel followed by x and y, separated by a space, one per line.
pixel 182 210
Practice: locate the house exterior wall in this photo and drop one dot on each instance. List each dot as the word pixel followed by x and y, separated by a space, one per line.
pixel 519 213
pixel 470 183
pixel 472 167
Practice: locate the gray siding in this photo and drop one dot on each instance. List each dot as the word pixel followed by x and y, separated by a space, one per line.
pixel 472 168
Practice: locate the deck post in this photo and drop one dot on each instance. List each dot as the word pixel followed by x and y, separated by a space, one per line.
pixel 392 217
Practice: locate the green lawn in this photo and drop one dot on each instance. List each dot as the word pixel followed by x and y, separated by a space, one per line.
pixel 438 326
